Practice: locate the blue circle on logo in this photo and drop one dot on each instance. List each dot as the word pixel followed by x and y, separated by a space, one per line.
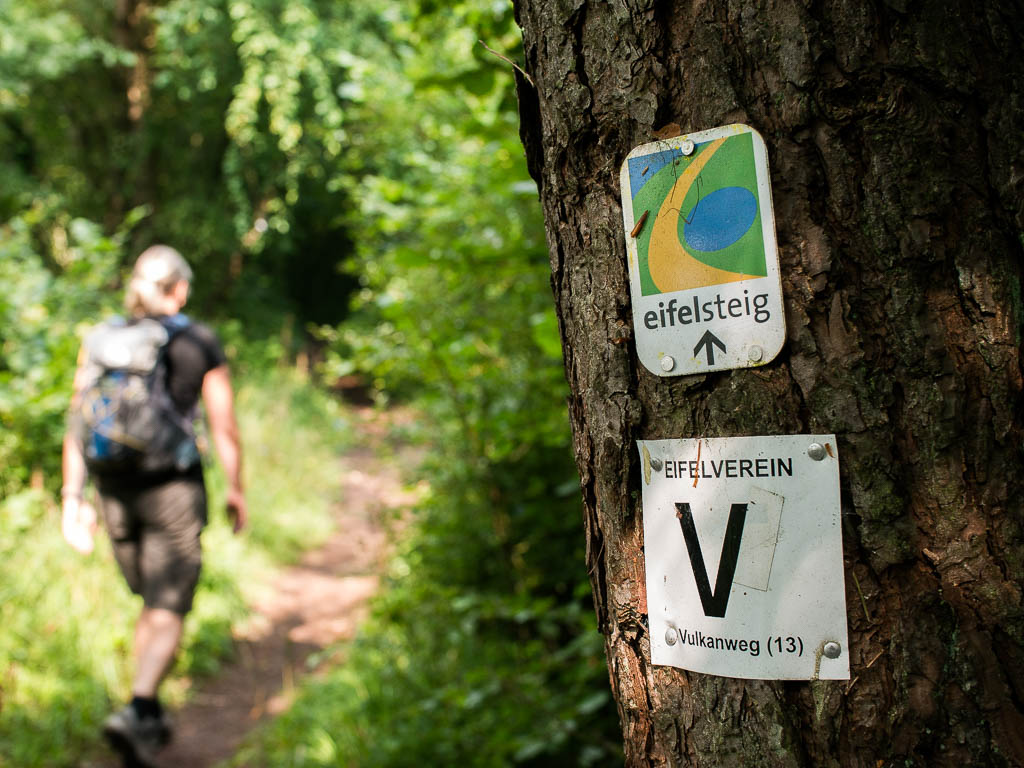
pixel 720 219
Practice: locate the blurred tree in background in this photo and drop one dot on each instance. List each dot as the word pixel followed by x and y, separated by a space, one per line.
pixel 222 125
pixel 349 182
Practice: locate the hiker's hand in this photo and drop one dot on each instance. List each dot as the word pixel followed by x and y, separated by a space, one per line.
pixel 78 523
pixel 238 511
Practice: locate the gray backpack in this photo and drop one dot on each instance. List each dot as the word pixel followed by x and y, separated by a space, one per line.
pixel 124 419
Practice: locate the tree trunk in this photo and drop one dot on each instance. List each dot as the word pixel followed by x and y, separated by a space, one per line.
pixel 135 173
pixel 897 171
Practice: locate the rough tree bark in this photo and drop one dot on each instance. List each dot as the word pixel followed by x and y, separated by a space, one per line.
pixel 895 144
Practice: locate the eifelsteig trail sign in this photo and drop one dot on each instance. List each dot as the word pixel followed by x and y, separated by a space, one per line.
pixel 703 261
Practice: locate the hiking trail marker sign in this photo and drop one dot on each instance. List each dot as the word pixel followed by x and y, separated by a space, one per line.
pixel 703 263
pixel 744 556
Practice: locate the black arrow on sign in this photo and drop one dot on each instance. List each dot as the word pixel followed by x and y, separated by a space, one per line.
pixel 710 341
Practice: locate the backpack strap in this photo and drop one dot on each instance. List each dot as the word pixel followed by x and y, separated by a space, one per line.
pixel 174 324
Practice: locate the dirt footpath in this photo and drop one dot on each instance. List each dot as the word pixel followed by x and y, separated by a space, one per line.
pixel 311 605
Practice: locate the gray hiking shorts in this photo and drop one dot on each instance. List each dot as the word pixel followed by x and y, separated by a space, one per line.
pixel 155 535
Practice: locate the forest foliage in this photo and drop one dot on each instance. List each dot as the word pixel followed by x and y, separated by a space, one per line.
pixel 349 185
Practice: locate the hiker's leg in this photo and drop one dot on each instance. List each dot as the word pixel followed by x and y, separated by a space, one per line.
pixel 169 560
pixel 140 729
pixel 157 635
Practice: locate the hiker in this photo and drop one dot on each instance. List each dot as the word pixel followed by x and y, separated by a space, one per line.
pixel 154 516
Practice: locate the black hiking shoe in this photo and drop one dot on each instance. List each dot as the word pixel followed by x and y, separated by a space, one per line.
pixel 138 740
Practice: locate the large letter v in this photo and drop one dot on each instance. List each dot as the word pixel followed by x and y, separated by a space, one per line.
pixel 714 603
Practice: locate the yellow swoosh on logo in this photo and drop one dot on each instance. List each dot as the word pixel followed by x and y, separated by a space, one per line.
pixel 671 266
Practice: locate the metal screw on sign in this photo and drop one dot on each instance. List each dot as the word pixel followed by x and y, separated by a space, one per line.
pixel 755 353
pixel 656 465
pixel 687 147
pixel 816 451
pixel 670 636
pixel 667 363
pixel 832 649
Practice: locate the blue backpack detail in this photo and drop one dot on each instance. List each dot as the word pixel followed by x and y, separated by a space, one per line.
pixel 124 418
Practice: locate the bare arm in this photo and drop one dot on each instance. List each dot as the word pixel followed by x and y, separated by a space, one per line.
pixel 220 408
pixel 74 471
pixel 78 518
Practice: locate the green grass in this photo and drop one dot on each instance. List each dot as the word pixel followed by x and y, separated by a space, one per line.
pixel 67 620
pixel 482 648
pixel 428 685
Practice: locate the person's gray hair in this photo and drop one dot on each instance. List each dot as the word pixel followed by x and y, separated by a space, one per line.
pixel 158 269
